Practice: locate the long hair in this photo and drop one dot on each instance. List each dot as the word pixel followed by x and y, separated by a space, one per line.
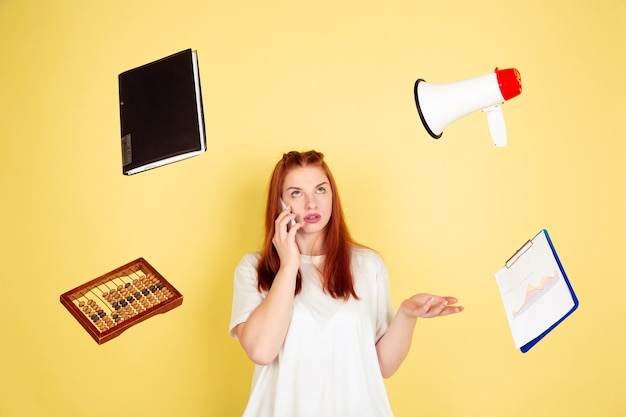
pixel 337 276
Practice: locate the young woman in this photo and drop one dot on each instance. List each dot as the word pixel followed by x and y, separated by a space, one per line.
pixel 312 310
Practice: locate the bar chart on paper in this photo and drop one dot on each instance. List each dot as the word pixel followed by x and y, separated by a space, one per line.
pixel 535 291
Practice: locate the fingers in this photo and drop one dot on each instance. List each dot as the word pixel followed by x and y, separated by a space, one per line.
pixel 451 300
pixel 451 310
pixel 446 307
pixel 436 306
pixel 439 306
pixel 284 219
pixel 284 235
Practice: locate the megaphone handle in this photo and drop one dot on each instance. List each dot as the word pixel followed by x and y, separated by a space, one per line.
pixel 497 127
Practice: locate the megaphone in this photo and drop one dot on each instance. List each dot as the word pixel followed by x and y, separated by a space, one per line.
pixel 440 104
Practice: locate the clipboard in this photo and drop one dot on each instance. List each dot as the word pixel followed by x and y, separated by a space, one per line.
pixel 535 290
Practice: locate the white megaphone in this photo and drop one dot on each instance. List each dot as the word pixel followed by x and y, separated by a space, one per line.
pixel 441 104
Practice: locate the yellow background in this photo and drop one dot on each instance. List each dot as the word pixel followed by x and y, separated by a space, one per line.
pixel 336 76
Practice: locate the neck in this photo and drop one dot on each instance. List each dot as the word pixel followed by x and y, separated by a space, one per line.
pixel 311 245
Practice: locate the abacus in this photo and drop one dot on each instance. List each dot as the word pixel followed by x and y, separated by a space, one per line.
pixel 113 302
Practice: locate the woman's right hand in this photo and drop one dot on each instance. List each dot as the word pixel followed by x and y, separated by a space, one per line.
pixel 284 239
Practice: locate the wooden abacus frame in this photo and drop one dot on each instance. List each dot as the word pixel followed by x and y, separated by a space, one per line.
pixel 133 292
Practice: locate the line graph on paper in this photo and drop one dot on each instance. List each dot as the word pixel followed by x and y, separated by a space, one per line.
pixel 533 293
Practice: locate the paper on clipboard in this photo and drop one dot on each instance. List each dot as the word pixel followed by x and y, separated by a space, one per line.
pixel 535 290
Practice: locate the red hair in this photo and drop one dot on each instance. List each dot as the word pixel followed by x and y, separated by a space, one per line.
pixel 337 276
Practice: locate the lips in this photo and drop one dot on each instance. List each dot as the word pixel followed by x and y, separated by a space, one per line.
pixel 312 218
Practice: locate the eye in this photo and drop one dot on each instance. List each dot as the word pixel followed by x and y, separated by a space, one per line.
pixel 296 194
pixel 320 190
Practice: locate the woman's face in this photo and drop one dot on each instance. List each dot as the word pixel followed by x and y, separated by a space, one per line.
pixel 307 191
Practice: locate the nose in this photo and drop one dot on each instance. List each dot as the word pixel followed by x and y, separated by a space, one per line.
pixel 310 202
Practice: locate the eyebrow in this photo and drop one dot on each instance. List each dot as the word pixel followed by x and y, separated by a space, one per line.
pixel 317 186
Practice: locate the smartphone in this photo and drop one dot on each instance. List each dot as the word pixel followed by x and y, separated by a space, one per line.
pixel 284 206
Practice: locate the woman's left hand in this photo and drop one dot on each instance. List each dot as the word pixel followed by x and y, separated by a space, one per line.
pixel 428 305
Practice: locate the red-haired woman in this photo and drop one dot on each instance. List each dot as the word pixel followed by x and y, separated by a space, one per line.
pixel 312 310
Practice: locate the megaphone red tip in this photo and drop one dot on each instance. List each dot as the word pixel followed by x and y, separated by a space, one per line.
pixel 510 82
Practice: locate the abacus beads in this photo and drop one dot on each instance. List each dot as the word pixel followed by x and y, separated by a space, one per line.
pixel 125 300
pixel 108 305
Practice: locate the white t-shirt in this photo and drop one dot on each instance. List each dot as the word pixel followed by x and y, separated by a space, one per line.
pixel 328 365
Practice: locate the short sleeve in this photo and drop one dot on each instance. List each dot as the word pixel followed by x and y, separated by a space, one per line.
pixel 384 311
pixel 246 295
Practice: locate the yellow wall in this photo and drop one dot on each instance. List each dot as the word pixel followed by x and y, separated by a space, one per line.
pixel 336 76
